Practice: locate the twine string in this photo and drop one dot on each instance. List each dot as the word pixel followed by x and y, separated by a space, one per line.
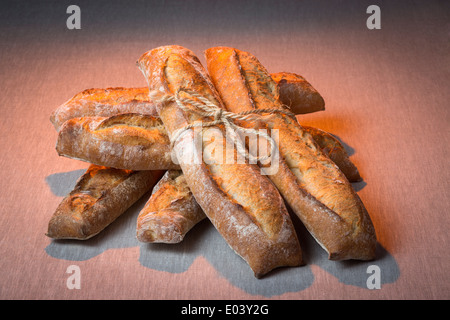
pixel 205 108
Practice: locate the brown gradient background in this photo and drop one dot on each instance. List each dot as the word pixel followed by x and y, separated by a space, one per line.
pixel 386 94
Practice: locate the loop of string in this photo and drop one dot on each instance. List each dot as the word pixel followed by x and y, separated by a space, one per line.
pixel 205 108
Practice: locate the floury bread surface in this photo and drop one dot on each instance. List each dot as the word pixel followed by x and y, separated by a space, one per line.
pixel 243 205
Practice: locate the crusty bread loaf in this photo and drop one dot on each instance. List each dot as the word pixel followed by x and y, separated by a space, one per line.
pixel 100 196
pixel 297 93
pixel 170 212
pixel 243 205
pixel 103 103
pixel 312 185
pixel 124 141
pixel 331 146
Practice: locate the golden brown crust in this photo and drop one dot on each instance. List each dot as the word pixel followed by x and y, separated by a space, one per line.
pixel 100 196
pixel 297 93
pixel 124 141
pixel 103 103
pixel 314 187
pixel 336 151
pixel 217 187
pixel 170 212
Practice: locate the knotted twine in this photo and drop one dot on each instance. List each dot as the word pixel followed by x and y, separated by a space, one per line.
pixel 205 108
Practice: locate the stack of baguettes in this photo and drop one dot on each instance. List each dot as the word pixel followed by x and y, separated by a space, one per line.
pixel 125 137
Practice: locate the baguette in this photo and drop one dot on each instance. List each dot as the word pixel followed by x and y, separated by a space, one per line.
pixel 313 186
pixel 100 196
pixel 295 92
pixel 243 205
pixel 124 141
pixel 170 212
